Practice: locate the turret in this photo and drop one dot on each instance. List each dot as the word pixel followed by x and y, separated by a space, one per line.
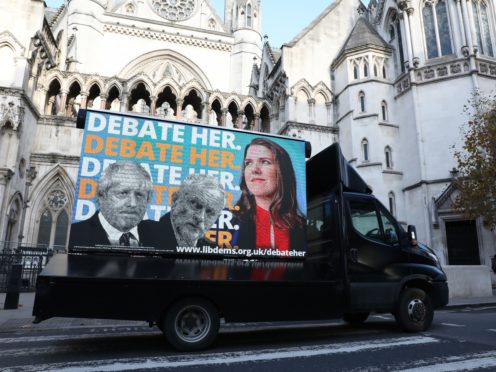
pixel 243 18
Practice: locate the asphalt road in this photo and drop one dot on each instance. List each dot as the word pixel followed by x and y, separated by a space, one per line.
pixel 462 339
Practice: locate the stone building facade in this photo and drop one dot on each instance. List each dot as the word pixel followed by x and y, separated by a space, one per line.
pixel 388 81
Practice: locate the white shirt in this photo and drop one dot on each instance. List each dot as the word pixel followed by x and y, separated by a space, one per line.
pixel 114 235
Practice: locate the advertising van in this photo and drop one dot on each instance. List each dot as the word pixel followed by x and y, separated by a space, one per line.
pixel 182 225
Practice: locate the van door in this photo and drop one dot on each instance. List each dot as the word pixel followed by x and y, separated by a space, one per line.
pixel 324 252
pixel 374 252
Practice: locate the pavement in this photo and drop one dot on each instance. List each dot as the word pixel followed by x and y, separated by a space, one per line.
pixel 21 319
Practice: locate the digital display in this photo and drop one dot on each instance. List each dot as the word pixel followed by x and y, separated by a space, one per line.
pixel 188 189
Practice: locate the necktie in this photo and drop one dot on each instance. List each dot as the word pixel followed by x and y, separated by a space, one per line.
pixel 125 239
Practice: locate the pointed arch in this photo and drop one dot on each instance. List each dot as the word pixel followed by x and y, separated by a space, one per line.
pixel 232 99
pixel 321 88
pixel 55 179
pixel 216 96
pixel 9 40
pixel 155 60
pixel 95 81
pixel 249 101
pixel 69 82
pixel 175 89
pixel 140 78
pixel 14 216
pixel 302 85
pixel 193 85
pixel 111 84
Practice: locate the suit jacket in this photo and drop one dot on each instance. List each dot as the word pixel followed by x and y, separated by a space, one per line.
pixel 90 233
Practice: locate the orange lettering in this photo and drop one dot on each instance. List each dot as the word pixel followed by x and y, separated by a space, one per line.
pixel 146 150
pixel 128 148
pixel 93 144
pixel 227 160
pixel 163 150
pixel 224 239
pixel 87 188
pixel 111 146
pixel 213 158
pixel 229 199
pixel 177 154
pixel 159 190
pixel 202 156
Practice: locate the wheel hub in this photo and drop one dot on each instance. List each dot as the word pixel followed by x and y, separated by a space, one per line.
pixel 417 310
pixel 192 324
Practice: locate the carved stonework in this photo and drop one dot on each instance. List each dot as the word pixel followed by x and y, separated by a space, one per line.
pixel 455 68
pixel 12 113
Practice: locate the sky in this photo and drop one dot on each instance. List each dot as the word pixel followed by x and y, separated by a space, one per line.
pixel 282 20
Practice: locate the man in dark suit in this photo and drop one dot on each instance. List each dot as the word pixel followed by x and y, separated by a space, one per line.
pixel 123 193
pixel 195 208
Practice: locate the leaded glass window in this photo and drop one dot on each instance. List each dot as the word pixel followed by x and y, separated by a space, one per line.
pixel 436 29
pixel 482 28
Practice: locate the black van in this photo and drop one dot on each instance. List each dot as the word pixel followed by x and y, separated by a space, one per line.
pixel 359 260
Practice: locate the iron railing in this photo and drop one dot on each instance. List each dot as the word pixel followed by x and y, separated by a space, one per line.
pixel 32 258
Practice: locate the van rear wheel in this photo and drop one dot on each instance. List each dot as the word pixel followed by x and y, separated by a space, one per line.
pixel 355 318
pixel 191 324
pixel 414 312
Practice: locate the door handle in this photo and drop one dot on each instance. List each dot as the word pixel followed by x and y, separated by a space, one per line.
pixel 354 254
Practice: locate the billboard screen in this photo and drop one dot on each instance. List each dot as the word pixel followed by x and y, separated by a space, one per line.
pixel 147 184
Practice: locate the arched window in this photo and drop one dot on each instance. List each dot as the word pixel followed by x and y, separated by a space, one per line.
pixel 375 70
pixel 384 71
pixel 392 203
pixel 436 29
pixel 361 99
pixel 365 149
pixel 388 155
pixel 481 22
pixel 384 112
pixel 355 71
pixel 396 40
pixel 365 69
pixel 249 21
pixel 54 220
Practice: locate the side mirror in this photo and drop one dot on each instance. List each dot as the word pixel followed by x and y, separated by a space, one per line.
pixel 412 235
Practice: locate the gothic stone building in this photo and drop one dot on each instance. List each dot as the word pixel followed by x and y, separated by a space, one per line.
pixel 388 81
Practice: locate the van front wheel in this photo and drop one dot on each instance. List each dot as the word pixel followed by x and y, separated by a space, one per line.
pixel 191 324
pixel 414 312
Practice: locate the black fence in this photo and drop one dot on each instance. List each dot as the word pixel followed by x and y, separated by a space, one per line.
pixel 32 259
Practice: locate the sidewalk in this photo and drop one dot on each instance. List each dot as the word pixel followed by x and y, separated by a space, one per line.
pixel 21 319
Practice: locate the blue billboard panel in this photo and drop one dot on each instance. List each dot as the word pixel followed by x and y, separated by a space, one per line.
pixel 189 189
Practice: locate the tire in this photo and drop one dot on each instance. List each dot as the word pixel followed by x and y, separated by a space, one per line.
pixel 414 312
pixel 191 324
pixel 355 318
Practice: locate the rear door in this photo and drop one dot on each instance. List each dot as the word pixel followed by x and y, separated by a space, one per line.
pixel 373 253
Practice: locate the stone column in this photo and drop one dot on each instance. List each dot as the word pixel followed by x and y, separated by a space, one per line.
pixel 84 99
pixel 63 101
pixel 328 106
pixel 311 110
pixel 124 98
pixel 5 176
pixel 153 105
pixel 463 32
pixel 239 120
pixel 471 26
pixel 224 117
pixel 205 115
pixel 405 17
pixel 256 126
pixel 179 108
pixel 103 101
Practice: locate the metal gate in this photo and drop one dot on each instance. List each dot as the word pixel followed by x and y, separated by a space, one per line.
pixel 32 259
